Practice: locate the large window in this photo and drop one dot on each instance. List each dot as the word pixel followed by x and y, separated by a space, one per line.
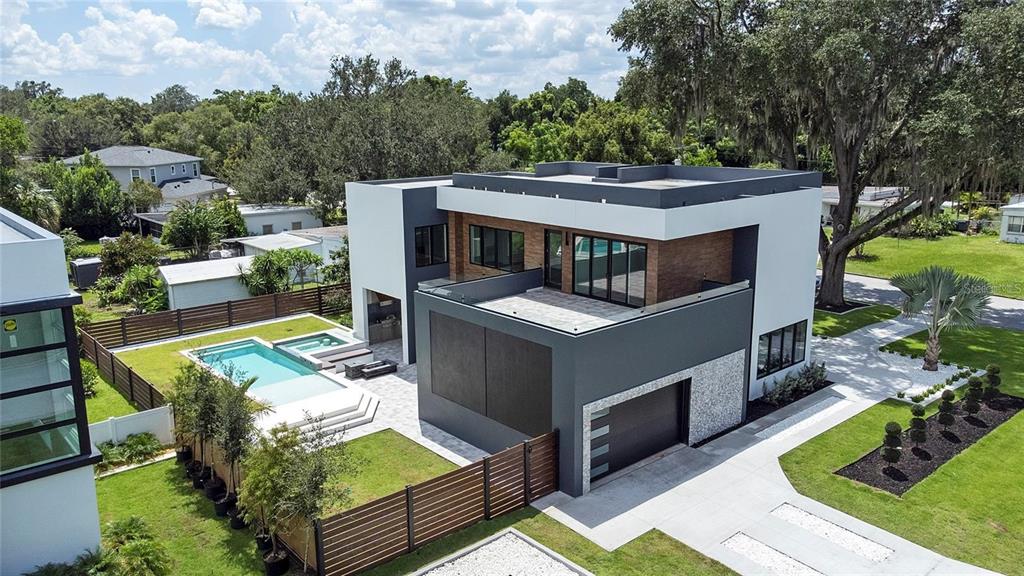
pixel 608 269
pixel 496 248
pixel 195 169
pixel 136 174
pixel 1015 224
pixel 152 175
pixel 782 348
pixel 431 245
pixel 38 418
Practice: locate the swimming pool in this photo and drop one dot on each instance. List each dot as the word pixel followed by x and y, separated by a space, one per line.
pixel 317 343
pixel 280 379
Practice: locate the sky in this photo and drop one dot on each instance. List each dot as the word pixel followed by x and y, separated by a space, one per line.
pixel 135 49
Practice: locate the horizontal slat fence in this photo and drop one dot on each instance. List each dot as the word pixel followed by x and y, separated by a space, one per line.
pixel 172 323
pixel 133 387
pixel 374 533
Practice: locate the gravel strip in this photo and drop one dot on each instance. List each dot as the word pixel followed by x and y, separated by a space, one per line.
pixel 508 555
pixel 834 533
pixel 769 558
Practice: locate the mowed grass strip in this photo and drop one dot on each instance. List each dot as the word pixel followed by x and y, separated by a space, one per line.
pixel 972 507
pixel 159 363
pixel 832 325
pixel 998 262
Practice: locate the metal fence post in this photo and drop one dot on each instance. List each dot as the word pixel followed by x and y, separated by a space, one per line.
pixel 180 331
pixel 275 304
pixel 526 472
pixel 131 379
pixel 487 488
pixel 124 333
pixel 231 316
pixel 409 518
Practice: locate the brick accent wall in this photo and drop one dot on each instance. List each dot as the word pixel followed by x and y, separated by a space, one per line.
pixel 674 267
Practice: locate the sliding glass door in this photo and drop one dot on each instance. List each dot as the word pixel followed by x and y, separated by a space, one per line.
pixel 612 270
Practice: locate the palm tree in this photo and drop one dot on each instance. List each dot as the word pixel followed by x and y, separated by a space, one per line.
pixel 956 301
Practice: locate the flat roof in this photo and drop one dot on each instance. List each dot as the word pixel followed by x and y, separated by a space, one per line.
pixel 657 186
pixel 323 232
pixel 14 228
pixel 270 208
pixel 175 274
pixel 281 240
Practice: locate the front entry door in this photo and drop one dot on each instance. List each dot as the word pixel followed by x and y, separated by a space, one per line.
pixel 553 258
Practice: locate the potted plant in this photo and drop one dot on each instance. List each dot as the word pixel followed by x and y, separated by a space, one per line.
pixel 182 399
pixel 206 397
pixel 236 433
pixel 264 492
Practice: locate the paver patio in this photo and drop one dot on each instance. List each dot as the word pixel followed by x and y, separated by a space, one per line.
pixel 724 498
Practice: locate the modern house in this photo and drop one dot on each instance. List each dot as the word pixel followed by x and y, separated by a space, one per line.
pixel 259 219
pixel 205 282
pixel 178 176
pixel 632 308
pixel 1012 227
pixel 47 494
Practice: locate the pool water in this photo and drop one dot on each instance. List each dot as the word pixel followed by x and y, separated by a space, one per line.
pixel 279 378
pixel 315 344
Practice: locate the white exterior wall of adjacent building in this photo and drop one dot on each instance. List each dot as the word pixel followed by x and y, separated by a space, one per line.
pixel 279 220
pixel 205 292
pixel 51 519
pixel 786 244
pixel 376 239
pixel 1015 211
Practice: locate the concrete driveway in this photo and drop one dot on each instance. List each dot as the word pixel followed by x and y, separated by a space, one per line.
pixel 730 500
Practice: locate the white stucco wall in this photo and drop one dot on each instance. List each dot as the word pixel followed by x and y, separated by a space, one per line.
pixel 206 292
pixel 1004 227
pixel 32 268
pixel 281 221
pixel 376 248
pixel 52 519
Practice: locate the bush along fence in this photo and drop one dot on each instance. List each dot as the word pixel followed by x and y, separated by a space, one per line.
pixel 374 533
pixel 173 323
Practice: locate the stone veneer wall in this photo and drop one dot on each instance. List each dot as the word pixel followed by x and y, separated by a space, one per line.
pixel 716 400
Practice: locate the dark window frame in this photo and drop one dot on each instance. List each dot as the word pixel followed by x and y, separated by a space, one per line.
pixel 590 267
pixel 425 234
pixel 797 343
pixel 482 231
pixel 548 281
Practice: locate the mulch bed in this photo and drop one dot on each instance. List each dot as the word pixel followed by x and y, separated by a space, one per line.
pixel 918 462
pixel 758 408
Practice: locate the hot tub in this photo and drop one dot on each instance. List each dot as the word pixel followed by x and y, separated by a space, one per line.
pixel 310 348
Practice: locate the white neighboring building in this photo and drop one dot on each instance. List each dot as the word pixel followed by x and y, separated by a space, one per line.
pixel 48 507
pixel 1012 227
pixel 206 282
pixel 271 219
pixel 319 241
pixel 872 200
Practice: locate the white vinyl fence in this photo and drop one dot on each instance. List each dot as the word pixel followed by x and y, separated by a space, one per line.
pixel 159 421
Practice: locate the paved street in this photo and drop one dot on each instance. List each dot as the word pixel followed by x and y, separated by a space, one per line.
pixel 730 500
pixel 1003 312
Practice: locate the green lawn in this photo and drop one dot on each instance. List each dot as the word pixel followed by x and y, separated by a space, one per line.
pixel 652 553
pixel 998 262
pixel 832 325
pixel 197 541
pixel 106 403
pixel 386 462
pixel 971 508
pixel 158 364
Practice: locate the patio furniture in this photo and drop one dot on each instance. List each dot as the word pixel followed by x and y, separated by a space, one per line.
pixel 336 360
pixel 385 367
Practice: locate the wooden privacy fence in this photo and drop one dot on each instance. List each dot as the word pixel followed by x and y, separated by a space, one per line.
pixel 132 386
pixel 379 531
pixel 183 321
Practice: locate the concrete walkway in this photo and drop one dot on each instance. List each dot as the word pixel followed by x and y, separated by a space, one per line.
pixel 730 500
pixel 1002 312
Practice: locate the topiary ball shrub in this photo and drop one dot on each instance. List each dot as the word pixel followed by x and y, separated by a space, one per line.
pixel 946 419
pixel 993 380
pixel 892 435
pixel 972 399
pixel 901 394
pixel 917 398
pixel 891 455
pixel 946 409
pixel 948 396
pixel 918 435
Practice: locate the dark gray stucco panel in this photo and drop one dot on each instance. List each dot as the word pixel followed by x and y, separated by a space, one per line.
pixel 419 207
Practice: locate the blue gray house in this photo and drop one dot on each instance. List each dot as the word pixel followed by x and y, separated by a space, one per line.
pixel 179 176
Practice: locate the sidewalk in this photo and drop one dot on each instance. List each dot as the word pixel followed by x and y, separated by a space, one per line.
pixel 730 500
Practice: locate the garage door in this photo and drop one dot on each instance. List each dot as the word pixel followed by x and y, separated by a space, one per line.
pixel 635 429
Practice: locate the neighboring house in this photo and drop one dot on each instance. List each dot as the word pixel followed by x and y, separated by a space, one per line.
pixel 871 201
pixel 1012 226
pixel 47 494
pixel 631 308
pixel 179 176
pixel 265 219
pixel 319 241
pixel 205 282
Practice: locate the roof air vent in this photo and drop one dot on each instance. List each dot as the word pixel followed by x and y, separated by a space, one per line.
pixel 557 196
pixel 604 200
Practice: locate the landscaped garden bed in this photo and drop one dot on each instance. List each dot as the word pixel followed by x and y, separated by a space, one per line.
pixel 919 460
pixel 784 392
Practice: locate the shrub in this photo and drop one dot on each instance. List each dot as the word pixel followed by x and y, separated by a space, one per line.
pixel 946 409
pixel 131 549
pixel 918 425
pixel 901 394
pixel 916 398
pixel 90 376
pixel 972 400
pixel 127 251
pixel 927 227
pixel 86 563
pixel 136 448
pixel 993 380
pixel 104 289
pixel 83 316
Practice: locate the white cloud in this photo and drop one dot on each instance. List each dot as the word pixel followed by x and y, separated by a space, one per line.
pixel 231 14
